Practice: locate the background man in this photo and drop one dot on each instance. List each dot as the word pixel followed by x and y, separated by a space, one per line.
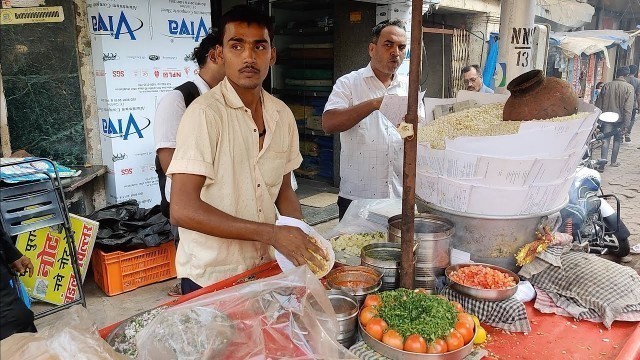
pixel 472 79
pixel 635 82
pixel 371 153
pixel 236 148
pixel 170 109
pixel 616 96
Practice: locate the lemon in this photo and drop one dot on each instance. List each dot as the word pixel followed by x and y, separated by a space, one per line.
pixel 476 320
pixel 481 335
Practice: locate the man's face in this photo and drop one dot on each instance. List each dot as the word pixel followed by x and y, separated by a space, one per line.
pixel 246 54
pixel 388 53
pixel 472 80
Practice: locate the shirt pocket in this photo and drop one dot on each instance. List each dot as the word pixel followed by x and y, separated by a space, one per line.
pixel 271 166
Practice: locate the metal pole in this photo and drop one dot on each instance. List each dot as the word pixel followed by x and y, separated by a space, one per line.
pixel 410 148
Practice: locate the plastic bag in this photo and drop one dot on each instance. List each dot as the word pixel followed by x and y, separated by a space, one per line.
pixel 75 336
pixel 367 216
pixel 287 316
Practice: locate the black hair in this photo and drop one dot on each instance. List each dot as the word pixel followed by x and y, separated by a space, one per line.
pixel 600 83
pixel 622 71
pixel 208 43
pixel 633 70
pixel 246 14
pixel 468 68
pixel 377 30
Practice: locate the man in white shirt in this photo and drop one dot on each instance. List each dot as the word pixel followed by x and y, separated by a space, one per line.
pixel 472 79
pixel 371 148
pixel 236 148
pixel 170 109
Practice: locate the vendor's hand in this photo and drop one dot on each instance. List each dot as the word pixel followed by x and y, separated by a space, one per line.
pixel 377 102
pixel 298 247
pixel 22 266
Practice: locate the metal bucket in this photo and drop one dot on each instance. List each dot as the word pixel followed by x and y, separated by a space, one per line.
pixel 492 239
pixel 432 235
pixel 346 308
pixel 385 258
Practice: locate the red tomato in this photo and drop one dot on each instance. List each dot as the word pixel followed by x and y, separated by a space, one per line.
pixel 467 319
pixel 457 306
pixel 439 346
pixel 465 331
pixel 367 314
pixel 376 328
pixel 372 300
pixel 454 340
pixel 393 339
pixel 415 343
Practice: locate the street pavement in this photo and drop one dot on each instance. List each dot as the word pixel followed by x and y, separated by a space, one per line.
pixel 624 182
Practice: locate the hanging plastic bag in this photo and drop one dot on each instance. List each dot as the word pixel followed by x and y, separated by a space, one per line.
pixel 367 216
pixel 287 316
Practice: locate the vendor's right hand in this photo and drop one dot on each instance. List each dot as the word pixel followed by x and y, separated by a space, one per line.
pixel 298 247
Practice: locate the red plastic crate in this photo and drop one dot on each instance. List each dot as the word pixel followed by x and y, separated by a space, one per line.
pixel 119 271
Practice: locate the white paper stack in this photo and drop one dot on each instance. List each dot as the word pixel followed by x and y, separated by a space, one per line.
pixel 525 173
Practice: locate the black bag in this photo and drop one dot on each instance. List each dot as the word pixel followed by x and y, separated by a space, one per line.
pixel 189 92
pixel 126 226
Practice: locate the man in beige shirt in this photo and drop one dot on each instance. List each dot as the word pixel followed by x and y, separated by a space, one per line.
pixel 236 148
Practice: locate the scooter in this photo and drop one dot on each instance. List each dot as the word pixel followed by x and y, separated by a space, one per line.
pixel 595 225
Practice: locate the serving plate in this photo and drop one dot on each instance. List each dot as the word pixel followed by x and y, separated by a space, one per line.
pixel 395 354
pixel 483 294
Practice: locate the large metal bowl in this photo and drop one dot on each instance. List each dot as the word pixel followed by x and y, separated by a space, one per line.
pixel 395 354
pixel 483 294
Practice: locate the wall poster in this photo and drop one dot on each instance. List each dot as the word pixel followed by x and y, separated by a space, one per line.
pixel 140 50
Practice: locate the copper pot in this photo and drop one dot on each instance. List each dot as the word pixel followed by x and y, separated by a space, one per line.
pixel 536 97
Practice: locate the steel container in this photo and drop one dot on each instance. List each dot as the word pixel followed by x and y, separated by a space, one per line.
pixel 432 235
pixel 345 306
pixel 492 239
pixel 359 281
pixel 483 294
pixel 384 258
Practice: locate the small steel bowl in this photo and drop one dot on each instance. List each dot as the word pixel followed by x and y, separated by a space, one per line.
pixel 358 281
pixel 483 294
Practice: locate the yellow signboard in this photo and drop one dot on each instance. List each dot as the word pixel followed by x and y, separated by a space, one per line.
pixel 31 15
pixel 53 280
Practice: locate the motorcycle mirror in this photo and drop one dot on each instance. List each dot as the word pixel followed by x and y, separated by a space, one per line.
pixel 609 117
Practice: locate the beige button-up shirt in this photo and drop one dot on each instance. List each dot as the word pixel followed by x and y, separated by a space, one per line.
pixel 218 139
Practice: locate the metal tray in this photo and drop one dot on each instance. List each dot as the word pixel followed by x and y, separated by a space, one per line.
pixel 483 294
pixel 395 354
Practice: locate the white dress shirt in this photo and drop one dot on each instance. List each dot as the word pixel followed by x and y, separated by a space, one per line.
pixel 372 151
pixel 170 109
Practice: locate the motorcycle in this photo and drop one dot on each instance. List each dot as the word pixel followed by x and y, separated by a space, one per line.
pixel 595 225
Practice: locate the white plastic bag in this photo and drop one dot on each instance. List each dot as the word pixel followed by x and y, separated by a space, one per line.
pixel 367 216
pixel 75 336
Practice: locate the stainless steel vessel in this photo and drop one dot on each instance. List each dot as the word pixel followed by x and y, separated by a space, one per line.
pixel 432 235
pixel 385 258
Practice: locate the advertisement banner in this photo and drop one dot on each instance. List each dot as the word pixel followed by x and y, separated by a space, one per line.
pixel 140 52
pixel 53 280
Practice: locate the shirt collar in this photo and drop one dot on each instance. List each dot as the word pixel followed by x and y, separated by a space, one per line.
pixel 368 72
pixel 232 99
pixel 202 85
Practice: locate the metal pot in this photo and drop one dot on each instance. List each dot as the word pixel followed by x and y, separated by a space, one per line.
pixel 492 239
pixel 432 235
pixel 384 258
pixel 345 306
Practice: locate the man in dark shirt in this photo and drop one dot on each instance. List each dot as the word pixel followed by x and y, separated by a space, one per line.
pixel 635 82
pixel 15 317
